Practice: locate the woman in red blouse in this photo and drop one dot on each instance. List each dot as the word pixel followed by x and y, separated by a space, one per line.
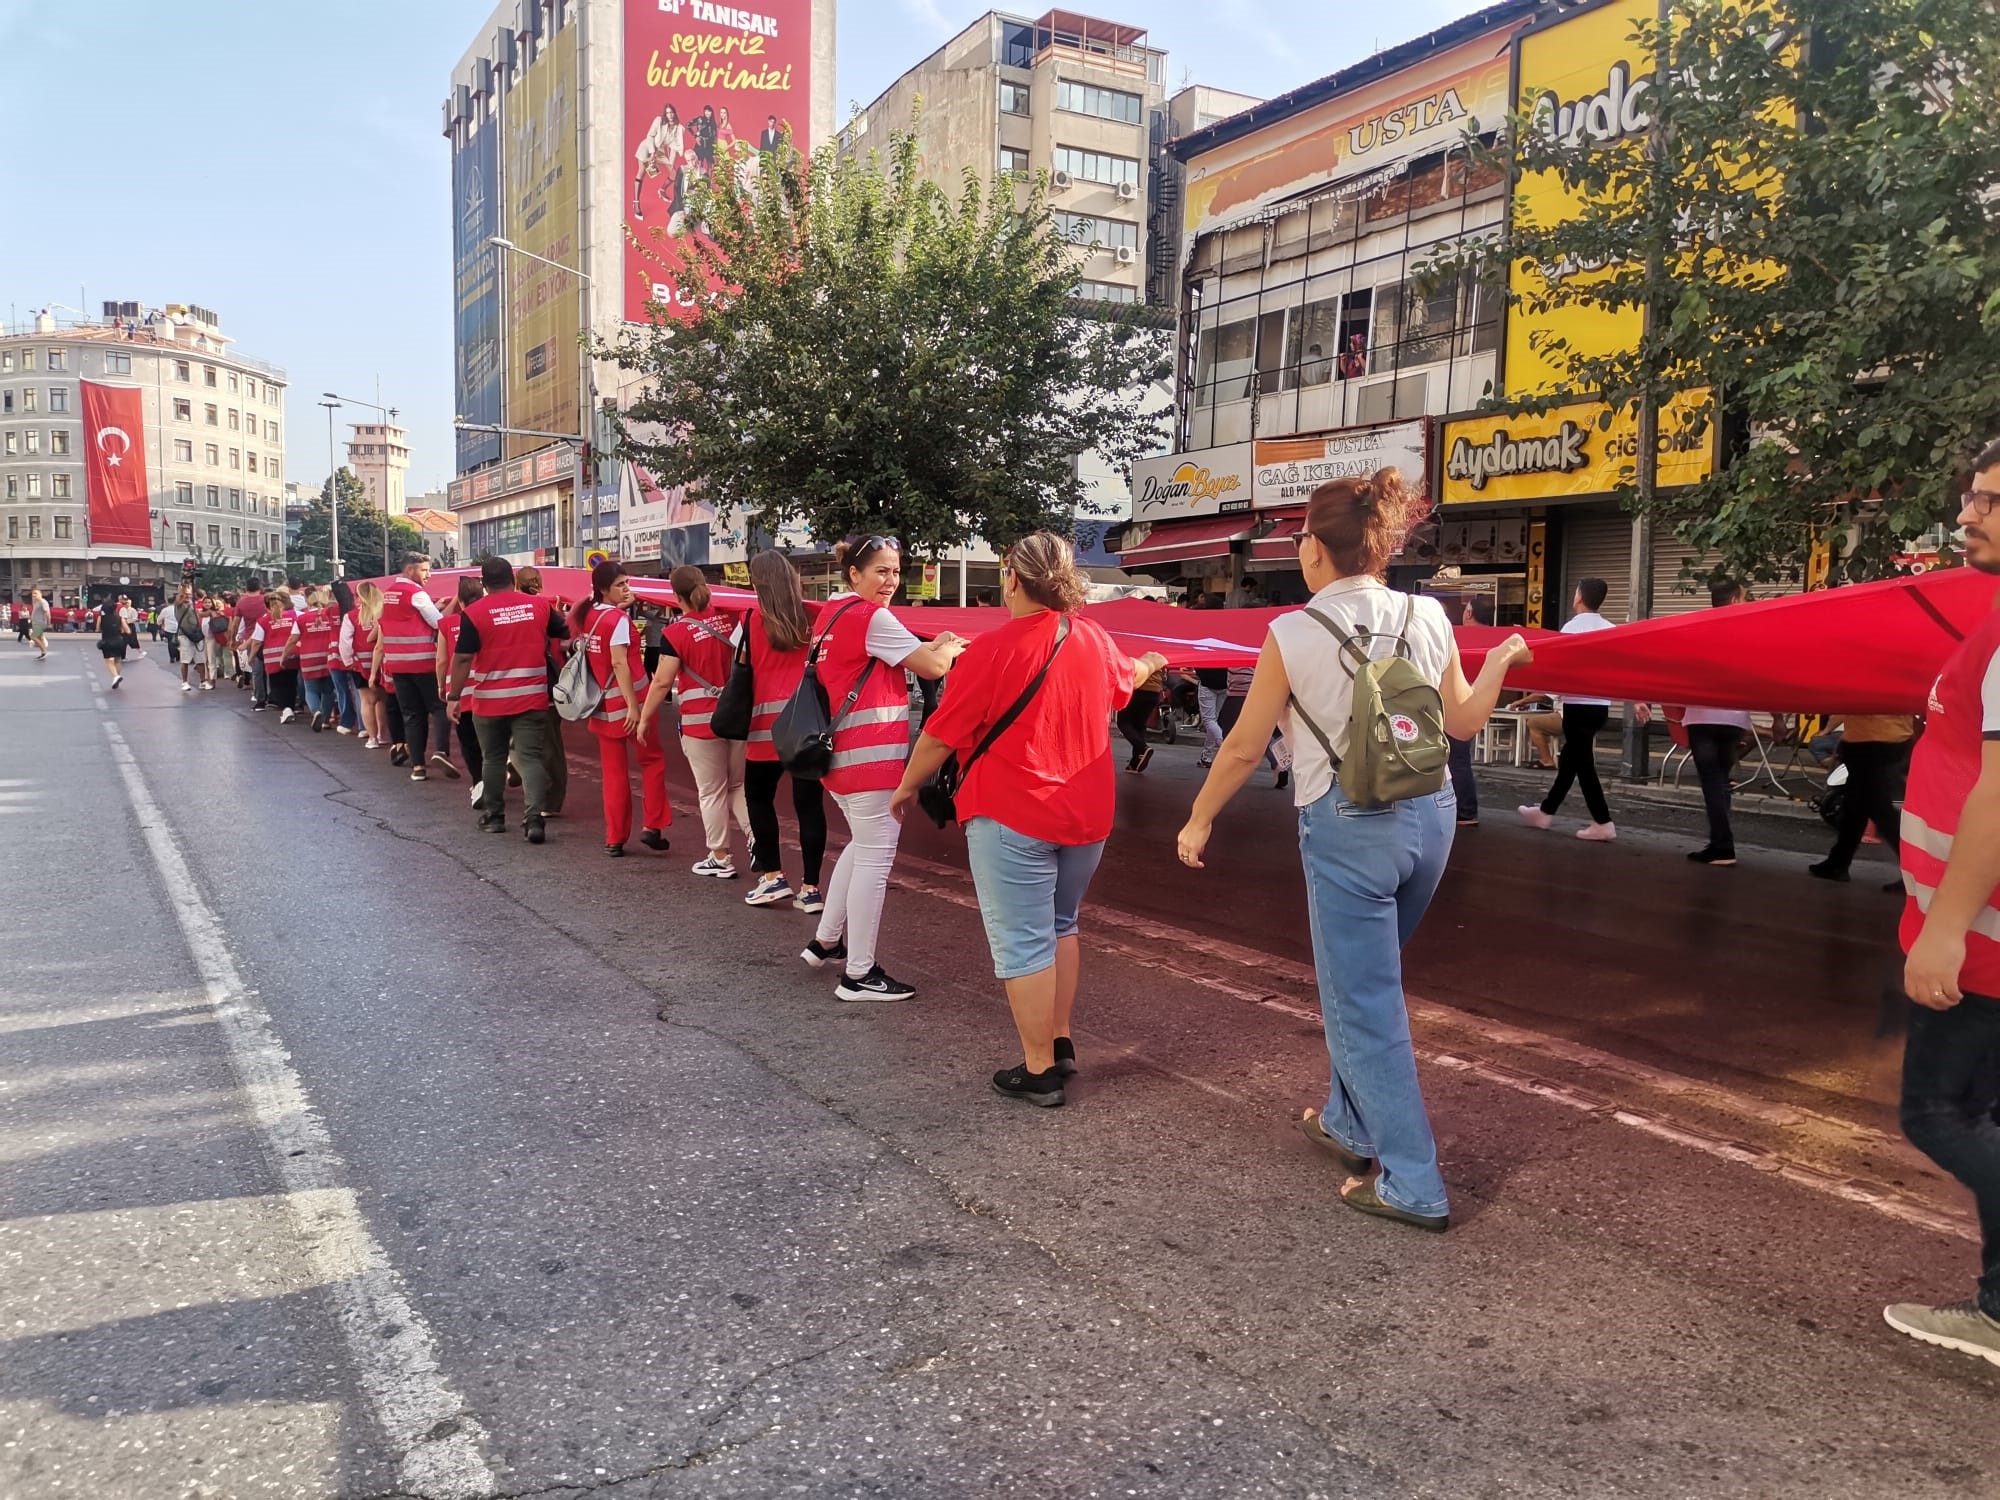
pixel 602 625
pixel 1037 797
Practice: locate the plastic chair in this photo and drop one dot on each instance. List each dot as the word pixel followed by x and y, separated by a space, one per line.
pixel 1676 717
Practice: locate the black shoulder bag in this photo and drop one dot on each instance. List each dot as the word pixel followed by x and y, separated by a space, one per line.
pixel 803 732
pixel 939 795
pixel 731 719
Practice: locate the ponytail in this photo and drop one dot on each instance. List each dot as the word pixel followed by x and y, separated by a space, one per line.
pixel 1362 522
pixel 690 586
pixel 603 578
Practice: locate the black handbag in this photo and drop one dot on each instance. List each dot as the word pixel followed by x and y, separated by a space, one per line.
pixel 939 796
pixel 803 733
pixel 733 705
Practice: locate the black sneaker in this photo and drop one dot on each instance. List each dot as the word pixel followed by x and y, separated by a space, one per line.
pixel 1043 1090
pixel 534 832
pixel 1065 1057
pixel 399 755
pixel 652 838
pixel 824 955
pixel 1826 869
pixel 492 825
pixel 874 985
pixel 1721 858
pixel 614 851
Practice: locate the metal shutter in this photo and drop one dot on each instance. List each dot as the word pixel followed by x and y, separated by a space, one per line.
pixel 1595 547
pixel 1671 592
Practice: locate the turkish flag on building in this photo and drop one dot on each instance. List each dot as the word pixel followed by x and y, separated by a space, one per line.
pixel 114 439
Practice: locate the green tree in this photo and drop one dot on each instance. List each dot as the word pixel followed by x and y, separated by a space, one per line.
pixel 881 357
pixel 361 532
pixel 1807 227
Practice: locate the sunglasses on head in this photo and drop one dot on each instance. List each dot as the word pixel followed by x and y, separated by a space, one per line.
pixel 869 546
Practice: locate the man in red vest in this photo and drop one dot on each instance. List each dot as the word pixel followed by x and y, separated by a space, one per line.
pixel 1951 934
pixel 406 650
pixel 503 652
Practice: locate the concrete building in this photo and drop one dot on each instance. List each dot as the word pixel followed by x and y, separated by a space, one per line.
pixel 379 455
pixel 440 530
pixel 299 498
pixel 213 445
pixel 549 115
pixel 1079 98
pixel 1194 108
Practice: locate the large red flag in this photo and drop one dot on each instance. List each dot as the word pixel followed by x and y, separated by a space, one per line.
pixel 114 437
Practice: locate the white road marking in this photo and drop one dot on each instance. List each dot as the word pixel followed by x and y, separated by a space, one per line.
pixel 439 1443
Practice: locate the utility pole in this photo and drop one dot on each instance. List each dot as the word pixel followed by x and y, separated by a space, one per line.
pixel 332 488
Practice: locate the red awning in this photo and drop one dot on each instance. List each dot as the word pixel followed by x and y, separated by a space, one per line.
pixel 1182 541
pixel 1278 546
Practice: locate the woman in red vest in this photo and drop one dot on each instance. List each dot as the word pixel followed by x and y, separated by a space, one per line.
pixel 863 652
pixel 311 650
pixel 602 625
pixel 696 653
pixel 358 639
pixel 449 625
pixel 271 637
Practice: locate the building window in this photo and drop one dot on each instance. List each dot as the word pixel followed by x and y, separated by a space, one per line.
pixel 118 364
pixel 62 522
pixel 181 371
pixel 183 493
pixel 56 359
pixel 1106 104
pixel 59 442
pixel 236 539
pixel 6 403
pixel 236 499
pixel 250 462
pixel 1013 98
pixel 31 399
pixel 211 454
pixel 208 375
pixel 34 522
pixel 270 432
pixel 1106 291
pixel 235 458
pixel 233 383
pixel 185 531
pixel 58 398
pixel 13 522
pixel 66 568
pixel 235 420
pixel 1102 234
pixel 1013 161
pixel 250 389
pixel 6 359
pixel 183 451
pixel 215 497
pixel 1097 166
pixel 9 443
pixel 215 536
pixel 183 410
pixel 210 414
pixel 34 440
pixel 27 359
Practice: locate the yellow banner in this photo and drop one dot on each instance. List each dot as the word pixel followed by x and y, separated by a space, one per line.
pixel 1565 455
pixel 543 318
pixel 736 575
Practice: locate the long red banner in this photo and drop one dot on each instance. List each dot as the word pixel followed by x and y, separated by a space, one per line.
pixel 114 451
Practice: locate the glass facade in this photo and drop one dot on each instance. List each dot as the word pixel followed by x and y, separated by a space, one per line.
pixel 506 536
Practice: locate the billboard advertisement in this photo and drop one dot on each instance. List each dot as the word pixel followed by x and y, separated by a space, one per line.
pixel 1205 482
pixel 543 314
pixel 1565 454
pixel 475 187
pixel 1290 469
pixel 705 86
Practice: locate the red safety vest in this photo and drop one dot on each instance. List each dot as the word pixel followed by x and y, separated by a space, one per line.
pixel 1942 774
pixel 596 646
pixel 317 628
pixel 277 631
pixel 408 641
pixel 701 643
pixel 872 740
pixel 363 647
pixel 511 667
pixel 774 678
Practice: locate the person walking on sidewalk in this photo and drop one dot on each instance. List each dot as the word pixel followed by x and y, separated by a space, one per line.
pixel 529 581
pixel 406 650
pixel 38 623
pixel 1464 784
pixel 696 655
pixel 862 651
pixel 1875 748
pixel 1132 718
pixel 503 654
pixel 1583 719
pixel 111 642
pixel 1715 740
pixel 602 627
pixel 272 636
pixel 250 609
pixel 340 661
pixel 772 639
pixel 1950 857
pixel 1025 715
pixel 1370 870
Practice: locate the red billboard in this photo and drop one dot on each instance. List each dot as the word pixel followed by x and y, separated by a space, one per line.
pixel 114 453
pixel 707 87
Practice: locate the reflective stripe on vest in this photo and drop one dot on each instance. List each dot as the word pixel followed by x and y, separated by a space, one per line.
pixel 1919 834
pixel 868 754
pixel 407 639
pixel 1985 925
pixel 872 740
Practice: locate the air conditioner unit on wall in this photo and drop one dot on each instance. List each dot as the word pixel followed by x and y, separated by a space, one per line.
pixel 1126 255
pixel 1128 190
pixel 1059 179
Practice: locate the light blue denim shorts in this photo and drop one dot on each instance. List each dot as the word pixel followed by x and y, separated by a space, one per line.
pixel 1029 893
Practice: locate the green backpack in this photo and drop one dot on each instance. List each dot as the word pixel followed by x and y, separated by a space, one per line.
pixel 1396 746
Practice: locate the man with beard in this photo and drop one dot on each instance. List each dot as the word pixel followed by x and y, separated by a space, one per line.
pixel 1951 933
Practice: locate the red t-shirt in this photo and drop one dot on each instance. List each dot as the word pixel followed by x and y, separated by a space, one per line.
pixel 1050 776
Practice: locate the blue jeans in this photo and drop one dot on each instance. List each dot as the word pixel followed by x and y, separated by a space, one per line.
pixel 319 693
pixel 1951 1088
pixel 346 699
pixel 1370 874
pixel 1029 893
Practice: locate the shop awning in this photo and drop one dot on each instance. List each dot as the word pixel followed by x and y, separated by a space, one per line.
pixel 1278 546
pixel 1184 541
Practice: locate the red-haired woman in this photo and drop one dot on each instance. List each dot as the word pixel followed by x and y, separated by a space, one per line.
pixel 602 625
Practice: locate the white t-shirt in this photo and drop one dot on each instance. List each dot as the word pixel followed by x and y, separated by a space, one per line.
pixel 1722 718
pixel 1585 624
pixel 889 639
pixel 1323 687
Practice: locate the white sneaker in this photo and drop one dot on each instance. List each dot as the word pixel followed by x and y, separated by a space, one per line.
pixel 768 889
pixel 478 789
pixel 1961 1327
pixel 187 687
pixel 369 742
pixel 1598 833
pixel 1534 817
pixel 342 729
pixel 288 715
pixel 721 869
pixel 208 687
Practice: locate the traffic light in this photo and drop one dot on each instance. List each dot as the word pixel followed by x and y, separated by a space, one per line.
pixel 188 570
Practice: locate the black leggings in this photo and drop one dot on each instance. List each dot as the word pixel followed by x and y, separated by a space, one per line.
pixel 1132 721
pixel 760 790
pixel 1576 763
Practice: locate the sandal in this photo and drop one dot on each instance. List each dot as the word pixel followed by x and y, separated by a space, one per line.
pixel 1363 1198
pixel 1312 1130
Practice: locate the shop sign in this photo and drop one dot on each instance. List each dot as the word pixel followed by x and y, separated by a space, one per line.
pixel 736 574
pixel 924 583
pixel 1290 469
pixel 1565 454
pixel 1205 482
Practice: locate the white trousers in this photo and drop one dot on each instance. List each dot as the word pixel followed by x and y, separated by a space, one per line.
pixel 718 779
pixel 860 882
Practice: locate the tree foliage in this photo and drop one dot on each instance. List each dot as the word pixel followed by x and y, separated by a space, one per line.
pixel 877 356
pixel 1808 226
pixel 360 533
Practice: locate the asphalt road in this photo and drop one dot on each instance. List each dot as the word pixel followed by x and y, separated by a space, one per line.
pixel 347 1151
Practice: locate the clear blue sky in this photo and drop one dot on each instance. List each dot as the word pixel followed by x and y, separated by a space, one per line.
pixel 281 164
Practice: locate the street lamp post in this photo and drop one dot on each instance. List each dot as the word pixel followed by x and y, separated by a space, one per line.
pixel 332 486
pixel 586 393
pixel 388 415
